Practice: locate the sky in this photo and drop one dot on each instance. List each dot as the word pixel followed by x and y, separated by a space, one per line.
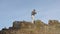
pixel 19 10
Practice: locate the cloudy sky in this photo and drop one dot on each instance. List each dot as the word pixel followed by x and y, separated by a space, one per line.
pixel 18 10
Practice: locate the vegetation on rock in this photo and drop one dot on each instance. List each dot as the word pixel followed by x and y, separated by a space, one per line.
pixel 39 27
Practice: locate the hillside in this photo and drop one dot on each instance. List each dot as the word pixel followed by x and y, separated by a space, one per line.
pixel 39 27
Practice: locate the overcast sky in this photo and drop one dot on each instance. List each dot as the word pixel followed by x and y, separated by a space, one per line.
pixel 18 10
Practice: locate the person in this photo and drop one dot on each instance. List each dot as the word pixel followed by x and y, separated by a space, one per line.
pixel 33 15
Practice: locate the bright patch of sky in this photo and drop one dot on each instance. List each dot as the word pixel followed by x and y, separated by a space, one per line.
pixel 11 10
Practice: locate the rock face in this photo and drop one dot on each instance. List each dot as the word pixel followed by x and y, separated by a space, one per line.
pixel 23 27
pixel 53 22
pixel 22 24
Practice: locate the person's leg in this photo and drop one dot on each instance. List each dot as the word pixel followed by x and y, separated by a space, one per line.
pixel 32 18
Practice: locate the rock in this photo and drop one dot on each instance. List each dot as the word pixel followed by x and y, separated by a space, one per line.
pixel 53 22
pixel 39 27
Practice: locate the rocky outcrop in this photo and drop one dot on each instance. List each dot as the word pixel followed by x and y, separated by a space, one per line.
pixel 53 22
pixel 39 27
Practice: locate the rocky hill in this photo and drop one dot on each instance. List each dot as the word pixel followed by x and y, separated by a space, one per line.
pixel 39 27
